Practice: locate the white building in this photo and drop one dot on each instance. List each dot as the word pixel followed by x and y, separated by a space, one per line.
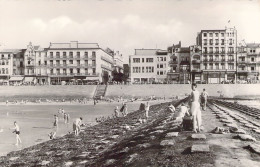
pixel 148 65
pixel 78 62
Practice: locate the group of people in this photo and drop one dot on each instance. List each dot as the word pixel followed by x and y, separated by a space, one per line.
pixel 123 110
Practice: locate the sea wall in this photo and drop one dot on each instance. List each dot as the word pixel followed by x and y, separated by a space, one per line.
pixel 229 90
pixel 51 91
pixel 78 91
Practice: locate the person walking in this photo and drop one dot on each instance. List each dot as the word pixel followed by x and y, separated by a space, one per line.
pixel 17 132
pixel 204 97
pixel 195 108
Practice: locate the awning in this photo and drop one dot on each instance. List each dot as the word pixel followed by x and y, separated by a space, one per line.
pixel 28 79
pixel 16 78
pixel 91 79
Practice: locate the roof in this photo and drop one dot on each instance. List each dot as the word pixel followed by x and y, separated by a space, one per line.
pixel 220 30
pixel 11 50
pixel 150 52
pixel 184 50
pixel 72 45
pixel 253 45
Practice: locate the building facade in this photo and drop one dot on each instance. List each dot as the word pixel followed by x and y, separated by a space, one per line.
pixel 60 63
pixel 219 49
pixel 148 66
pixel 179 64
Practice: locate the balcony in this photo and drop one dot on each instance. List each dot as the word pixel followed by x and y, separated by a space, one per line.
pixel 57 56
pixel 211 43
pixel 230 44
pixel 223 60
pixel 243 71
pixel 64 56
pixel 211 52
pixel 205 43
pixel 222 44
pixel 231 52
pixel 205 51
pixel 211 60
pixel 231 60
pixel 217 43
pixel 252 62
pixel 71 57
pixel 222 52
pixel 217 52
pixel 107 59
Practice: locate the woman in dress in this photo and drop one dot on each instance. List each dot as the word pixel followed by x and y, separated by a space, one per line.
pixel 195 108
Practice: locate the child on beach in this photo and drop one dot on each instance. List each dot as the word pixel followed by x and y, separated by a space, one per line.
pixel 52 135
pixel 17 132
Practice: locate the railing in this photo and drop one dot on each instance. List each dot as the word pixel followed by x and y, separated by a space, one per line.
pixel 231 52
pixel 216 51
pixel 217 43
pixel 230 60
pixel 205 43
pixel 195 61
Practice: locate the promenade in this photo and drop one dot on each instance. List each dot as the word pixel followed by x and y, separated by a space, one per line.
pixel 126 141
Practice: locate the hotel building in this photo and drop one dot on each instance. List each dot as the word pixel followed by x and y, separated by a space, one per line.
pixel 218 58
pixel 148 66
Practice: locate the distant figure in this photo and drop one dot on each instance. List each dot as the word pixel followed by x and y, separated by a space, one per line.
pixel 204 96
pixel 123 109
pixel 116 111
pixel 17 132
pixel 94 102
pixel 68 118
pixel 147 108
pixel 56 121
pixel 76 126
pixel 6 102
pixel 52 135
pixel 195 108
pixel 65 118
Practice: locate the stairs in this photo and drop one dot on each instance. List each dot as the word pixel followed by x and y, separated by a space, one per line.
pixel 100 91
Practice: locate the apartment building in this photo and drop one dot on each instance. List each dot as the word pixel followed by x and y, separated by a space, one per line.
pixel 11 63
pixel 78 62
pixel 249 62
pixel 219 49
pixel 179 64
pixel 148 66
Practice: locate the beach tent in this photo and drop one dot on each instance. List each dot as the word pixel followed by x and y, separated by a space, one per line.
pixel 16 80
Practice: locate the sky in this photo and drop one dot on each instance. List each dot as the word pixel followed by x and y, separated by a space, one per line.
pixel 123 25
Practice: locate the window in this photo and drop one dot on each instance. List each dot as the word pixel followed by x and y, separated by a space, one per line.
pixel 211 66
pixel 252 68
pixel 161 58
pixel 164 58
pixel 216 41
pixel 161 65
pixel 64 71
pixel 51 53
pixel 64 54
pixel 71 54
pixel 71 71
pixel 3 56
pixel 143 69
pixel 86 62
pixel 93 53
pixel 205 41
pixel 94 70
pixel 78 71
pixel 78 62
pixel 58 71
pixel 39 62
pixel 142 60
pixel 9 56
pixel 216 34
pixel 205 66
pixel 222 42
pixel 210 34
pixel 136 60
pixel 230 66
pixel 45 62
pixel 64 62
pixel 211 41
pixel 230 58
pixel 57 53
pixel 86 54
pixel 51 71
pixel 210 50
pixel 86 71
pixel 223 66
pixel 217 66
pixel 149 60
pixel 252 59
pixel 222 50
pixel 71 61
pixel 78 53
pixel 205 50
pixel 205 34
